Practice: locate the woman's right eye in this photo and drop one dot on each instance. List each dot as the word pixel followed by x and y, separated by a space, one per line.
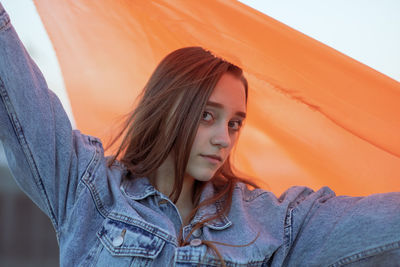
pixel 207 116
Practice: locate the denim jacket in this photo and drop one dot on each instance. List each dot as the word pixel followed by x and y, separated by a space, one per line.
pixel 102 218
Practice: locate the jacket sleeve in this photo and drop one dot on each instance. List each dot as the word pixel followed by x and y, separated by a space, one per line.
pixel 46 157
pixel 328 230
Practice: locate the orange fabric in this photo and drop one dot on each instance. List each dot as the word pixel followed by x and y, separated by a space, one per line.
pixel 315 116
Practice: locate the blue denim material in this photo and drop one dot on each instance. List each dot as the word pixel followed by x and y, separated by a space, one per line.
pixel 90 205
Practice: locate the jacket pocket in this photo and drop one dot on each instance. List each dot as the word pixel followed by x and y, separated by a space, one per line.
pixel 122 239
pixel 123 244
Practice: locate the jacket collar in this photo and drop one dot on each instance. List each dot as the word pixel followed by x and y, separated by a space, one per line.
pixel 141 188
pixel 219 223
pixel 138 188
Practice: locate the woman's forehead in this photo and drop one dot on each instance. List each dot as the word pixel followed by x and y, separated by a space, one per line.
pixel 230 93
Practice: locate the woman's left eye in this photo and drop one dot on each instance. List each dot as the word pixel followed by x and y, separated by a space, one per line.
pixel 235 125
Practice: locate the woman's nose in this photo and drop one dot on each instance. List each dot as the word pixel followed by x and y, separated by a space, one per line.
pixel 221 137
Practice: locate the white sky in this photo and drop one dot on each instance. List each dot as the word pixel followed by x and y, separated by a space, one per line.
pixel 30 29
pixel 366 30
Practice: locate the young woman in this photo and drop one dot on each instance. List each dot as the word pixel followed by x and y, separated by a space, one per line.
pixel 169 196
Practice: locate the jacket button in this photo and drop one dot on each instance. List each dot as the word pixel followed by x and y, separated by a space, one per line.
pixel 197 232
pixel 119 239
pixel 195 242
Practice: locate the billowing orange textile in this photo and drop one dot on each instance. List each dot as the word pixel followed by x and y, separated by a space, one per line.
pixel 315 116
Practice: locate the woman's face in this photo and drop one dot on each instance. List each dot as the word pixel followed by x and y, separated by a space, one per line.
pixel 218 129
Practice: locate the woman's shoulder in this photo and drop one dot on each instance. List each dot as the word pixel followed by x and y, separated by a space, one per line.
pixel 294 194
pixel 248 193
pixel 91 146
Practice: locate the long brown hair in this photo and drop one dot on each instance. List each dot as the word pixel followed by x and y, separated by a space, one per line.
pixel 166 120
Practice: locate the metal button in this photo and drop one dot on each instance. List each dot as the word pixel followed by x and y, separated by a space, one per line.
pixel 197 232
pixel 195 242
pixel 119 239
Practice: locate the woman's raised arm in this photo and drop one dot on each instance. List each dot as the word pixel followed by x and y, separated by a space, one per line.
pixel 328 230
pixel 46 157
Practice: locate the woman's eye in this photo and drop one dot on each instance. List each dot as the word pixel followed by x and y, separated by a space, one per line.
pixel 235 125
pixel 207 116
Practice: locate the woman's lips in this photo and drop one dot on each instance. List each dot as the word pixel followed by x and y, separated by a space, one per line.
pixel 214 159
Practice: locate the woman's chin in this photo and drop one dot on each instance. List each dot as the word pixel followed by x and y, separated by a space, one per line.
pixel 202 176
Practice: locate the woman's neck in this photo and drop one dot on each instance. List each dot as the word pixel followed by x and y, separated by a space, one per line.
pixel 164 179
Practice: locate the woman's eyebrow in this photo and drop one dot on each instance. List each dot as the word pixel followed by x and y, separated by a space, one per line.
pixel 219 105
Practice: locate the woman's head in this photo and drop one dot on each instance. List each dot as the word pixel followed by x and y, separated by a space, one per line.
pixel 190 108
pixel 219 127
